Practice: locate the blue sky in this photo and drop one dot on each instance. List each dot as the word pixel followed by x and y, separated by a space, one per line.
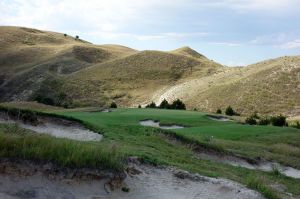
pixel 232 32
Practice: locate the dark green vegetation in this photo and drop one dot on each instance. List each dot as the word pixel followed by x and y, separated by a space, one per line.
pixel 113 105
pixel 219 111
pixel 177 105
pixel 124 136
pixel 279 120
pixel 229 111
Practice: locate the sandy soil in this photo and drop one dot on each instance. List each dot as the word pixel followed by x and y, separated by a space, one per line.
pixel 58 128
pixel 145 182
pixel 157 124
pixel 264 165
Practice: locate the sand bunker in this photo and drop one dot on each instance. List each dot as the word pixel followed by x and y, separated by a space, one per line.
pixel 219 118
pixel 58 128
pixel 264 166
pixel 156 124
pixel 150 183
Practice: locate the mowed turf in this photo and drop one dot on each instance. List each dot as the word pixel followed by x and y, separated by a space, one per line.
pixel 121 126
pixel 251 141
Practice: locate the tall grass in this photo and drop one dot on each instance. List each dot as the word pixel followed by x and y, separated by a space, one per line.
pixel 15 143
pixel 259 185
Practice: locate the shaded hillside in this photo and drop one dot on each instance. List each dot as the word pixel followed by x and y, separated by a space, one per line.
pixel 28 57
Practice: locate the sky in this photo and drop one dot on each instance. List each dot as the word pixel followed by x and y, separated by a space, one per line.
pixel 231 32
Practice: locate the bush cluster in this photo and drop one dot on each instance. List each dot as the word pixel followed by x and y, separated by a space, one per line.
pixel 279 120
pixel 229 111
pixel 113 105
pixel 51 93
pixel 177 104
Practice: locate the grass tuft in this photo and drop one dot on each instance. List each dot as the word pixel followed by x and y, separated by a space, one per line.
pixel 258 184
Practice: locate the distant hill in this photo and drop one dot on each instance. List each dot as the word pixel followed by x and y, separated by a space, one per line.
pixel 36 63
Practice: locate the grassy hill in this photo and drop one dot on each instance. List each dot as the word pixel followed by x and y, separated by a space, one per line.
pixel 133 80
pixel 89 74
pixel 67 70
pixel 268 87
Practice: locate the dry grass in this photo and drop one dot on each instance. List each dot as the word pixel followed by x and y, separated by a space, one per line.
pixel 31 105
pixel 98 74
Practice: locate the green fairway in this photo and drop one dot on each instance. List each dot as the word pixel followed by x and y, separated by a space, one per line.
pixel 121 126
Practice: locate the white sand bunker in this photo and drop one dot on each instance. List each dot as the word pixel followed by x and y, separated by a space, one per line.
pixel 75 132
pixel 263 166
pixel 151 183
pixel 59 128
pixel 219 118
pixel 157 124
pixel 154 183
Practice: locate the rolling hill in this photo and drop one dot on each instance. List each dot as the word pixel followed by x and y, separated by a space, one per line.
pixel 36 63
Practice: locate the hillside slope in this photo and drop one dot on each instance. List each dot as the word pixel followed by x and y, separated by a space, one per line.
pixel 268 87
pixel 61 70
pixel 29 56
pixel 133 80
pixel 35 62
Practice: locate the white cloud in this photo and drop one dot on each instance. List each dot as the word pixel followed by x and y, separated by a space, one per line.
pixel 281 40
pixel 291 45
pixel 255 5
pixel 101 15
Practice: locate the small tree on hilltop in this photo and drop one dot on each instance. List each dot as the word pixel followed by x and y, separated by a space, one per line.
pixel 219 111
pixel 65 35
pixel 164 104
pixel 178 104
pixel 77 37
pixel 229 111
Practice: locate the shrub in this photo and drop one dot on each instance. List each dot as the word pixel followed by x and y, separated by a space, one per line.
pixel 51 93
pixel 178 104
pixel 125 189
pixel 65 35
pixel 279 120
pixel 255 116
pixel 151 105
pixel 219 111
pixel 296 125
pixel 113 105
pixel 264 121
pixel 251 120
pixel 229 111
pixel 77 37
pixel 164 104
pixel 139 106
